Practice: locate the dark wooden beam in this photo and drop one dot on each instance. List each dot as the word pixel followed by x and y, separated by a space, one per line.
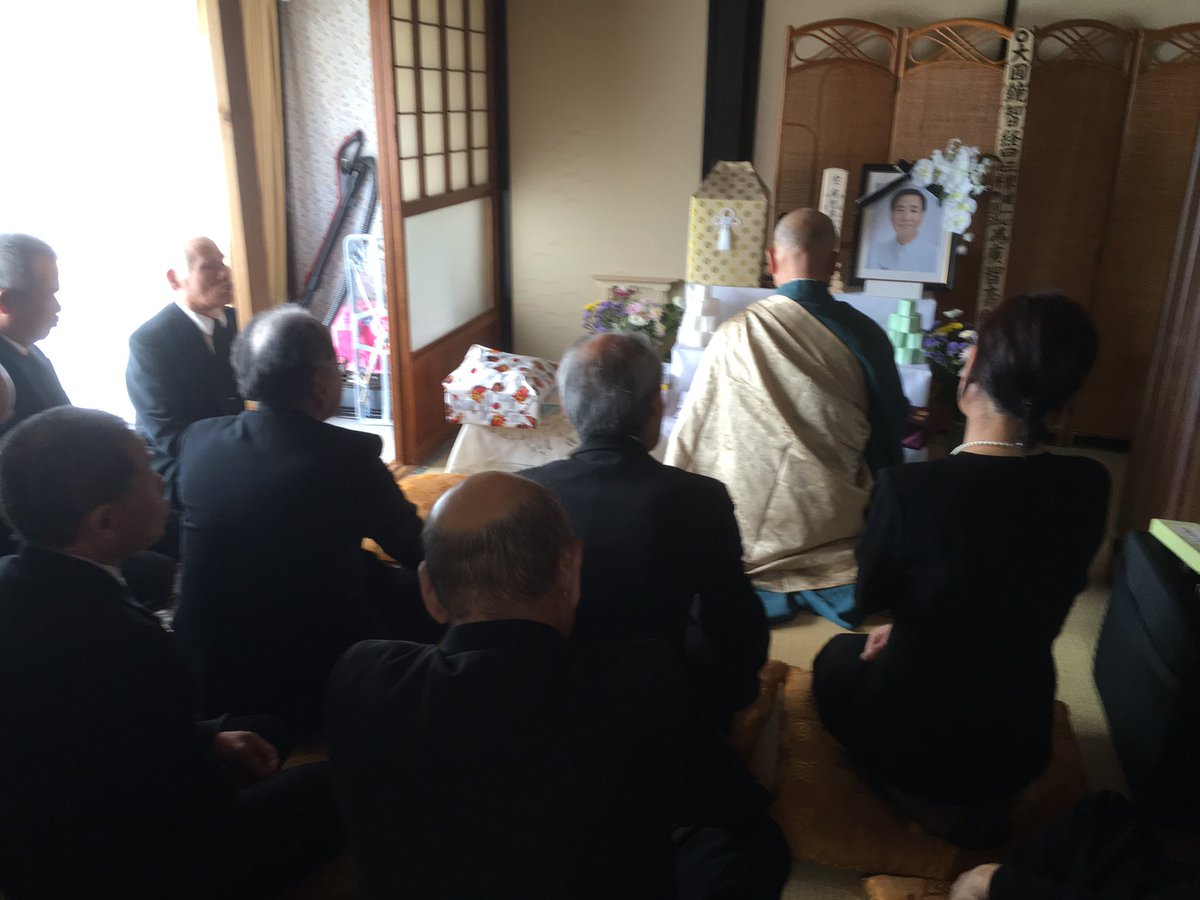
pixel 499 70
pixel 731 88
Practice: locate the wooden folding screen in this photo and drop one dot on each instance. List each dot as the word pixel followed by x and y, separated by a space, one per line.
pixel 1111 117
pixel 839 92
pixel 951 81
pixel 857 93
pixel 1131 277
pixel 1068 167
pixel 1070 155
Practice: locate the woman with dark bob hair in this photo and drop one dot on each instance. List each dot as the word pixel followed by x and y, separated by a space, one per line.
pixel 979 556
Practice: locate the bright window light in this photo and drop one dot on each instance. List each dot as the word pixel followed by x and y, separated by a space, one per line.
pixel 112 154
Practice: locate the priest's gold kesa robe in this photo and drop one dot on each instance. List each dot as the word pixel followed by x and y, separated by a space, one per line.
pixel 778 411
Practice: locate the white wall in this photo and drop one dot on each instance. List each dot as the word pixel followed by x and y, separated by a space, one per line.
pixel 606 125
pixel 779 14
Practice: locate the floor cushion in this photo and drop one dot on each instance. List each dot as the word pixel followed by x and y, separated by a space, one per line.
pixel 830 816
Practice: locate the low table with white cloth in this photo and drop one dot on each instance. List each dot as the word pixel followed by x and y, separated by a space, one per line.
pixel 480 448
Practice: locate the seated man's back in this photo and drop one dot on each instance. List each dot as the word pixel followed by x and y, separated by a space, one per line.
pixel 662 554
pixel 497 765
pixel 275 506
pixel 508 762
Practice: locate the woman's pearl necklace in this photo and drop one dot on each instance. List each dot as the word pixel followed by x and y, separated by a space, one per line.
pixel 1016 445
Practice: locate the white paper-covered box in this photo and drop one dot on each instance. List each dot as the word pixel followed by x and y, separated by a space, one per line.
pixel 504 390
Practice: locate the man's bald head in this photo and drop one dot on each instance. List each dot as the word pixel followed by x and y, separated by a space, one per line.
pixel 498 546
pixel 202 277
pixel 805 246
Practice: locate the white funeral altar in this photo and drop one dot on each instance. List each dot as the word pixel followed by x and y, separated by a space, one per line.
pixel 480 448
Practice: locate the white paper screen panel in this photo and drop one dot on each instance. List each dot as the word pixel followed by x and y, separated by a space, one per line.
pixel 449 264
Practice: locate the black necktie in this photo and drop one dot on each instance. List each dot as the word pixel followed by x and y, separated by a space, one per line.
pixel 221 339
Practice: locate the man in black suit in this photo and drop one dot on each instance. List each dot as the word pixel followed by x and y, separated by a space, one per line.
pixel 275 505
pixel 662 553
pixel 28 310
pixel 108 786
pixel 530 767
pixel 179 369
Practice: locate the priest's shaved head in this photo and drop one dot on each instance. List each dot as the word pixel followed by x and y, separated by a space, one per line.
pixel 805 246
pixel 498 546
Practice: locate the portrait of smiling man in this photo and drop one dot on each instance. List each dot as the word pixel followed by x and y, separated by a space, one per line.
pixel 905 250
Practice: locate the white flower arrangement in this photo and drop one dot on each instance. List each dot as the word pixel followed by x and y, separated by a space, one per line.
pixel 960 172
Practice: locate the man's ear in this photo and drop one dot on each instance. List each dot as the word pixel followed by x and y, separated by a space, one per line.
pixel 570 570
pixel 99 526
pixel 5 300
pixel 433 605
pixel 771 266
pixel 174 280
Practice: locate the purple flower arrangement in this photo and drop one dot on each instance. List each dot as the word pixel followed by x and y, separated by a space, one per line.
pixel 949 346
pixel 625 312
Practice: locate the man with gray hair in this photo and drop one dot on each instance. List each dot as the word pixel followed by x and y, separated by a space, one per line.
pixel 28 310
pixel 662 553
pixel 275 504
pixel 506 762
pixel 795 405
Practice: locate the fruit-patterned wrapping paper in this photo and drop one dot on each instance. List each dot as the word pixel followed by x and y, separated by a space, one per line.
pixel 504 390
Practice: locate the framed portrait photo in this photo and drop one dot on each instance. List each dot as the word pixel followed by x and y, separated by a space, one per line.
pixel 898 233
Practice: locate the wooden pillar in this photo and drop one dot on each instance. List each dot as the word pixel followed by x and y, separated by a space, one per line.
pixel 222 19
pixel 731 89
pixel 1163 479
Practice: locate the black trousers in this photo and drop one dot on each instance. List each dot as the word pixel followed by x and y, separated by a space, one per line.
pixel 240 844
pixel 747 861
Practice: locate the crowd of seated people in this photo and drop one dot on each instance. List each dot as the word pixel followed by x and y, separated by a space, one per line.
pixel 536 700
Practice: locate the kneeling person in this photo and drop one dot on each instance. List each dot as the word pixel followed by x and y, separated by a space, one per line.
pixel 539 770
pixel 662 554
pixel 275 505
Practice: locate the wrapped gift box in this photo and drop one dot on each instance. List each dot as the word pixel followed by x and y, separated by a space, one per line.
pixel 504 390
pixel 727 227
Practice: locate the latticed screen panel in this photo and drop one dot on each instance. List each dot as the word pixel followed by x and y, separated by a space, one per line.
pixel 440 54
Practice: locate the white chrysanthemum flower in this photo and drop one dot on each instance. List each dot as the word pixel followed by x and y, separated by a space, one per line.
pixel 952 314
pixel 957 221
pixel 637 320
pixel 922 172
pixel 968 334
pixel 962 203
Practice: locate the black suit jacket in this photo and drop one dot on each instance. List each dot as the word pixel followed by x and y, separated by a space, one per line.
pixel 274 509
pixel 174 380
pixel 102 766
pixel 507 763
pixel 35 382
pixel 661 548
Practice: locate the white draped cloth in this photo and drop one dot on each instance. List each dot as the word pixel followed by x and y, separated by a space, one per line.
pixel 778 412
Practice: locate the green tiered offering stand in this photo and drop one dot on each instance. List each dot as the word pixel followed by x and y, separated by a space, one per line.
pixel 904 331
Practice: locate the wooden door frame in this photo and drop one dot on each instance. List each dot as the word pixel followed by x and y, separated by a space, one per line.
pixel 406 365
